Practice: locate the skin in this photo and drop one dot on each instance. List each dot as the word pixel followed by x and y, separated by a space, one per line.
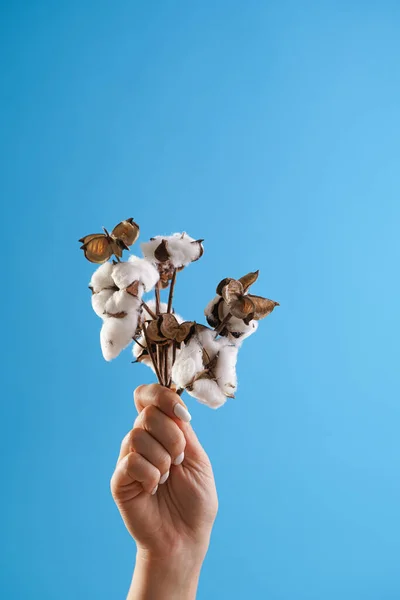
pixel 171 524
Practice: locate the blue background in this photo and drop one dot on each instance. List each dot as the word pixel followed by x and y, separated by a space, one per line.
pixel 271 129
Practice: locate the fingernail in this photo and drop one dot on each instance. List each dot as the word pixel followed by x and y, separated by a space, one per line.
pixel 179 459
pixel 164 478
pixel 154 491
pixel 181 412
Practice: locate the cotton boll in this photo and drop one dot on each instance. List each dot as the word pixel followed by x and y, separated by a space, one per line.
pixel 188 364
pixel 237 328
pixel 182 249
pixel 99 301
pixel 116 334
pixel 225 369
pixel 121 301
pixel 148 274
pixel 102 277
pixel 207 392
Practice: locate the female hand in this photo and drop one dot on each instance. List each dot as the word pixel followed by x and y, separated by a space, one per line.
pixel 164 488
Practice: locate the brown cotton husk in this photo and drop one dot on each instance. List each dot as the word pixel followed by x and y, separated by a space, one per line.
pixel 184 331
pixel 248 280
pixel 241 307
pixel 118 315
pixel 166 329
pixel 168 326
pixel 262 306
pixel 232 291
pixel 133 288
pixel 153 332
pixel 161 252
pixel 222 284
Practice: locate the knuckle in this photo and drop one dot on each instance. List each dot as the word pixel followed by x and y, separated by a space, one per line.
pixel 149 413
pixel 135 435
pixel 139 392
pixel 126 439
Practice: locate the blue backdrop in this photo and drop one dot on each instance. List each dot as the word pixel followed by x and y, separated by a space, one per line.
pixel 273 131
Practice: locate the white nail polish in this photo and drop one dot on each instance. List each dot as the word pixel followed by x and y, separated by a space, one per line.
pixel 154 491
pixel 179 459
pixel 164 478
pixel 181 412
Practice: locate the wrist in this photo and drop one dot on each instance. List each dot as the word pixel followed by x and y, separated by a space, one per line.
pixel 190 554
pixel 172 577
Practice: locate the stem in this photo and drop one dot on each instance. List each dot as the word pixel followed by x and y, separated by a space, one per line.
pixel 173 362
pixel 158 298
pixel 223 323
pixel 171 291
pixel 159 363
pixel 151 353
pixel 166 374
pixel 148 309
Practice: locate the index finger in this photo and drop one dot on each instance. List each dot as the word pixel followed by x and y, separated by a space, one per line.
pixel 163 398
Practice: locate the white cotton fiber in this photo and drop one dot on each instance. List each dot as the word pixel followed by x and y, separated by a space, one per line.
pixel 116 334
pixel 99 301
pixel 188 364
pixel 183 249
pixel 124 274
pixel 121 301
pixel 136 349
pixel 207 392
pixel 210 306
pixel 147 273
pixel 239 331
pixel 148 248
pixel 207 339
pixel 102 277
pixel 225 369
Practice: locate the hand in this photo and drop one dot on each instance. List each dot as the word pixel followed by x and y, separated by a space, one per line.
pixel 163 483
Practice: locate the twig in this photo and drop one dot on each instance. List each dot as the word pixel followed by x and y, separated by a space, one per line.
pixel 148 309
pixel 223 323
pixel 151 353
pixel 171 291
pixel 158 298
pixel 166 374
pixel 173 362
pixel 159 363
